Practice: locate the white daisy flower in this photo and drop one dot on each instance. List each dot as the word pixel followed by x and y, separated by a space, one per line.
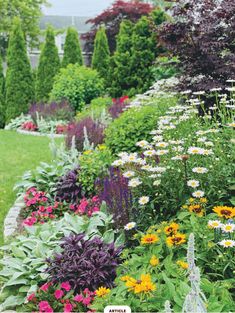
pixel 177 158
pixel 227 243
pixel 129 174
pixel 156 182
pixel 195 150
pixel 162 144
pixel 134 182
pixel 193 183
pixel 228 228
pixel 131 157
pixel 214 224
pixel 142 143
pixel 202 139
pixel 200 170
pixel 198 194
pixel 118 163
pixel 161 152
pixel 207 152
pixel 130 226
pixel 143 200
pixel 157 138
pixel 149 153
pixel 146 167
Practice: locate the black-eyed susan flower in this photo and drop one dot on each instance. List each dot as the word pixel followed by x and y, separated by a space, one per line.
pixel 176 240
pixel 102 291
pixel 197 209
pixel 171 229
pixel 143 285
pixel 149 239
pixel 154 261
pixel 182 264
pixel 224 211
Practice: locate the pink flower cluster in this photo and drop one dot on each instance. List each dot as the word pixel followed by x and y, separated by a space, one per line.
pixel 61 129
pixel 30 126
pixel 86 206
pixel 52 298
pixel 38 208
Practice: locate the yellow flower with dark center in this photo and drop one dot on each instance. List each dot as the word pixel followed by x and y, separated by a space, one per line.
pixel 171 229
pixel 154 261
pixel 197 209
pixel 143 285
pixel 102 291
pixel 182 264
pixel 225 211
pixel 176 240
pixel 149 239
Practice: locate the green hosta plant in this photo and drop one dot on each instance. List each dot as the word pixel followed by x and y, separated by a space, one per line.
pixel 23 266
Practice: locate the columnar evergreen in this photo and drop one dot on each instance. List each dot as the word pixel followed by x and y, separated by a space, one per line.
pixel 49 65
pixel 101 55
pixel 120 65
pixel 72 48
pixel 2 104
pixel 19 80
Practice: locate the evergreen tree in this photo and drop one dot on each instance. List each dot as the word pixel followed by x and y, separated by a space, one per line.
pixel 19 80
pixel 72 48
pixel 49 65
pixel 2 104
pixel 143 54
pixel 101 55
pixel 120 69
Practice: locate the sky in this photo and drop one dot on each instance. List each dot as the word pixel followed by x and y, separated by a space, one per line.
pixel 77 7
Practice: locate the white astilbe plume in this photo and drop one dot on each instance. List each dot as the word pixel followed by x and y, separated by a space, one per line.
pixel 195 300
pixel 167 307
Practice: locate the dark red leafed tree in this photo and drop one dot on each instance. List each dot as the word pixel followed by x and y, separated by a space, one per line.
pixel 112 17
pixel 202 35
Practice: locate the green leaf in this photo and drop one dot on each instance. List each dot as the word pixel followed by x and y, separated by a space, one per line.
pixel 11 302
pixel 18 253
pixel 108 236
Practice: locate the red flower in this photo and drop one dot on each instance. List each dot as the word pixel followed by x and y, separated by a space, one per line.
pixel 68 308
pixel 44 306
pixel 58 294
pixel 66 286
pixel 45 287
pixel 31 297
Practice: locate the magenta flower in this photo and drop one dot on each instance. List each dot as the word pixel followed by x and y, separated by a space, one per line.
pixel 78 298
pixel 44 306
pixel 68 308
pixel 45 287
pixel 58 294
pixel 66 286
pixel 86 301
pixel 31 297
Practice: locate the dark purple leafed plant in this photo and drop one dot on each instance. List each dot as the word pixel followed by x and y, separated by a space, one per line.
pixel 118 106
pixel 95 132
pixel 85 263
pixel 114 190
pixel 52 111
pixel 68 188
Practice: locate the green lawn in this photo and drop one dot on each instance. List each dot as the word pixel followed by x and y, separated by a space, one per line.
pixel 18 153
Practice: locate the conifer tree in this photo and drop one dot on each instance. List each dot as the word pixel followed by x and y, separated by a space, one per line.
pixel 49 65
pixel 72 48
pixel 19 80
pixel 2 104
pixel 101 55
pixel 120 69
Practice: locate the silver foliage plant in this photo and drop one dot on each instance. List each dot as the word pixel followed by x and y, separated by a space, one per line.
pixel 195 299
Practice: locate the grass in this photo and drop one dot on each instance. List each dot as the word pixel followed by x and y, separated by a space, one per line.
pixel 18 153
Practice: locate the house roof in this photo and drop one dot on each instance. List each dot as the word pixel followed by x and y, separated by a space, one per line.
pixel 62 22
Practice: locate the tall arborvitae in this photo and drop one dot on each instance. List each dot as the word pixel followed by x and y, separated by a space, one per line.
pixel 72 48
pixel 2 103
pixel 101 55
pixel 19 80
pixel 120 66
pixel 145 49
pixel 49 65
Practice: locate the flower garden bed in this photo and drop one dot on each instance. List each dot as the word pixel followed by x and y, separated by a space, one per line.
pixel 151 227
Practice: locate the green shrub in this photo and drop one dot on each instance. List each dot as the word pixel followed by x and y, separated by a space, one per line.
pixel 49 64
pixel 2 104
pixel 72 48
pixel 19 79
pixel 164 68
pixel 93 164
pixel 134 125
pixel 77 84
pixel 95 109
pixel 101 55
